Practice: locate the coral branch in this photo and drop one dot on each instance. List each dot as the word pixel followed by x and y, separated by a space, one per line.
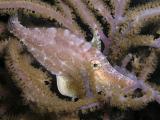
pixel 103 10
pixel 148 67
pixel 120 6
pixel 87 16
pixel 126 60
pixel 68 13
pixel 139 16
pixel 38 8
pixel 123 44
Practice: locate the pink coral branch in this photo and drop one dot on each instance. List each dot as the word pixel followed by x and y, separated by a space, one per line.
pixel 87 16
pixel 120 6
pixel 146 14
pixel 126 60
pixel 137 18
pixel 103 10
pixel 41 9
pixel 67 12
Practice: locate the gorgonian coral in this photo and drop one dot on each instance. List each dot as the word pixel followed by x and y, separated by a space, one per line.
pixel 68 45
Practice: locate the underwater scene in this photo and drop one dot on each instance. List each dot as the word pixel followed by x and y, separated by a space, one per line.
pixel 79 59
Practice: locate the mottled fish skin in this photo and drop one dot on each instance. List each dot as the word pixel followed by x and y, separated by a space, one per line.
pixel 58 50
pixel 63 53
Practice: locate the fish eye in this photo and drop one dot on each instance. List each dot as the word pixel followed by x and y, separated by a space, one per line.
pixel 95 64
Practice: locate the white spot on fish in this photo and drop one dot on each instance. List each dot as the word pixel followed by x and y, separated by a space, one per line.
pixel 78 41
pixel 32 49
pixel 36 29
pixel 45 58
pixel 52 31
pixel 86 47
pixel 66 33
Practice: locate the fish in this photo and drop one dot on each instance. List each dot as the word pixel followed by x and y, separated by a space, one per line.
pixel 84 68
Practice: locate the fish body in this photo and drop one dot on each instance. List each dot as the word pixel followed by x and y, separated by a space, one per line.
pixel 85 69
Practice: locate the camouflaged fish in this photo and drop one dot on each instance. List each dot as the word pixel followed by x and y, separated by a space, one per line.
pixel 82 69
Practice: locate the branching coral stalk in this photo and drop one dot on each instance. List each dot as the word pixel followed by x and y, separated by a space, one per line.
pixel 106 13
pixel 119 8
pixel 115 20
pixel 122 44
pixel 126 60
pixel 148 66
pixel 87 16
pixel 137 17
pixel 67 12
pixel 38 8
pixel 102 9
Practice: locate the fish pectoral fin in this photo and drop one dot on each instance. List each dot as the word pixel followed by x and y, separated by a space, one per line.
pixel 63 84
